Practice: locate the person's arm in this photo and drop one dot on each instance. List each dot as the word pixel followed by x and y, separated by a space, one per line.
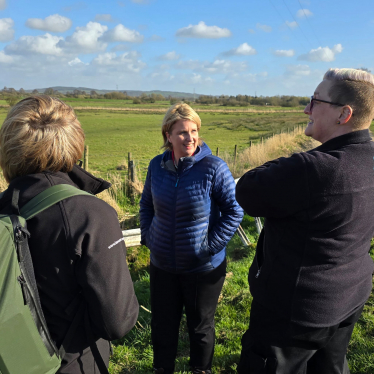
pixel 277 189
pixel 103 274
pixel 146 207
pixel 223 194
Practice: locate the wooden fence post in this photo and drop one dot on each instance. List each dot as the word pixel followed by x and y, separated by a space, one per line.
pixel 131 180
pixel 262 140
pixel 217 152
pixel 250 143
pixel 85 158
pixel 235 154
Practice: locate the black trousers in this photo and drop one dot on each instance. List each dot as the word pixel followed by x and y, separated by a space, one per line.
pixel 285 349
pixel 198 293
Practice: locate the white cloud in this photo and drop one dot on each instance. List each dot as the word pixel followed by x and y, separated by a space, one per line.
pixel 6 29
pixel 53 23
pixel 76 61
pixel 85 39
pixel 298 70
pixel 2 4
pixel 170 56
pixel 104 18
pixel 251 31
pixel 127 62
pixel 42 44
pixel 243 50
pixel 284 53
pixel 201 30
pixel 120 47
pixel 156 38
pixel 122 34
pixel 292 24
pixel 265 28
pixel 325 54
pixel 304 13
pixel 215 67
pixel 5 59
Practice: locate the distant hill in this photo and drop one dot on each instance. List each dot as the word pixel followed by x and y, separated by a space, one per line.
pixel 63 90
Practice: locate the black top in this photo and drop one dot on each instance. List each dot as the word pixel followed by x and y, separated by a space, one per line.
pixel 315 269
pixel 76 247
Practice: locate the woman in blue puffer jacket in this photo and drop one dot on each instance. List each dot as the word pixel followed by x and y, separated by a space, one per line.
pixel 188 213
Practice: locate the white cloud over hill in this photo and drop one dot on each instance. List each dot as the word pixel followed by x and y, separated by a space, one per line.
pixel 325 54
pixel 201 30
pixel 6 29
pixel 284 53
pixel 243 50
pixel 53 23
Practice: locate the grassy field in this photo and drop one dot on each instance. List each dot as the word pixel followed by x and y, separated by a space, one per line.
pixel 110 135
pixel 164 105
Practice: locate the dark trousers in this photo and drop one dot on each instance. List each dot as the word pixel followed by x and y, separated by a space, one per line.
pixel 198 293
pixel 295 349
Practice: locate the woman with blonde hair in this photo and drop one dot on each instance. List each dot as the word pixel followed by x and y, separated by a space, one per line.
pixel 188 213
pixel 76 245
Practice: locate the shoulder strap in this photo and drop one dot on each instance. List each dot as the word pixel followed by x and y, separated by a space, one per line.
pixel 49 197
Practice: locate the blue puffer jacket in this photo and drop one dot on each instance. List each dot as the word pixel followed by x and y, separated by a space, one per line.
pixel 188 216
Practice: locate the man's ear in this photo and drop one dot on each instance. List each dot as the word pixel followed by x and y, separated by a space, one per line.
pixel 345 114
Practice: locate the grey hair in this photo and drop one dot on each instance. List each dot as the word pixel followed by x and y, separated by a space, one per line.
pixel 357 75
pixel 353 87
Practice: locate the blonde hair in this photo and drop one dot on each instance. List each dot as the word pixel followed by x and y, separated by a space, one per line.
pixel 353 87
pixel 180 111
pixel 40 133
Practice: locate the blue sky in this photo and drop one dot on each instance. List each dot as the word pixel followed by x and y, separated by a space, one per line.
pixel 266 47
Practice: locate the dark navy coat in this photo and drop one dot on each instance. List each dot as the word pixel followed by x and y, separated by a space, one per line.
pixel 312 265
pixel 188 215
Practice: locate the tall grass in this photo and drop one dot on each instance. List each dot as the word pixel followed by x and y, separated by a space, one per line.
pixel 280 145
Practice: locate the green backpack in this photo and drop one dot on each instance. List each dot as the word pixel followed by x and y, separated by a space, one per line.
pixel 26 346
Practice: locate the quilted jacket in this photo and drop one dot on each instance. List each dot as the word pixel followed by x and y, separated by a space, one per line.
pixel 188 215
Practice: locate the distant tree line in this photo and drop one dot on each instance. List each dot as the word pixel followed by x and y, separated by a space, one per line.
pixel 12 96
pixel 246 100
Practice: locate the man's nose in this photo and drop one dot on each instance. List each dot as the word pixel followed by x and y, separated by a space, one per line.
pixel 307 109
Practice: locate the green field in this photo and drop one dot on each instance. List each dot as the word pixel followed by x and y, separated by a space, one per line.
pixel 113 103
pixel 110 135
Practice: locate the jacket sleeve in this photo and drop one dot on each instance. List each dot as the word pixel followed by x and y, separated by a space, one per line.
pixel 277 189
pixel 103 274
pixel 146 207
pixel 223 195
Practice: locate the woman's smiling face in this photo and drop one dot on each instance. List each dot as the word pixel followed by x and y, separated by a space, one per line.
pixel 184 138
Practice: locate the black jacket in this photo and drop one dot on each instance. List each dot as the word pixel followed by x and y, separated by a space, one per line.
pixel 312 265
pixel 72 249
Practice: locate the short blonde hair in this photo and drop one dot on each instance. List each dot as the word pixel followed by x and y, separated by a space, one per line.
pixel 180 111
pixel 40 133
pixel 353 87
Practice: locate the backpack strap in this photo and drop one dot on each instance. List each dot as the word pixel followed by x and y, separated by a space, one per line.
pixel 49 197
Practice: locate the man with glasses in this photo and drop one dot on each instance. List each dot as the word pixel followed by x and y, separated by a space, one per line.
pixel 312 272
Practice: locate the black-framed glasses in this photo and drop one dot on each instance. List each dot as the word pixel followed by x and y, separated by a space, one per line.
pixel 312 99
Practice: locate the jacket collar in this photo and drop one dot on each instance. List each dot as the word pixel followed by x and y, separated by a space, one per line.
pixel 354 137
pixel 32 184
pixel 187 162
